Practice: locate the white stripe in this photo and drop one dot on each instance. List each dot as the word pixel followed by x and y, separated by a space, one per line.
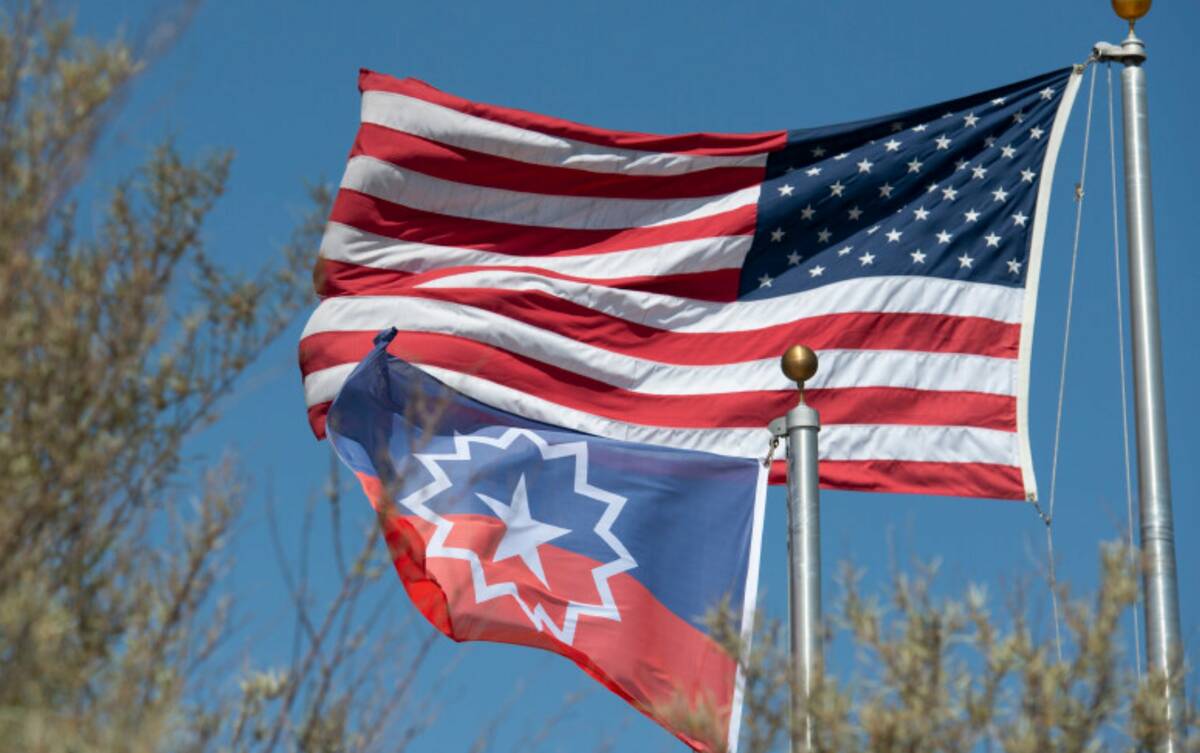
pixel 899 295
pixel 946 444
pixel 400 185
pixel 839 368
pixel 1033 275
pixel 438 123
pixel 349 244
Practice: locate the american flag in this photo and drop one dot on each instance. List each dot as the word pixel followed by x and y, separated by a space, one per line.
pixel 643 287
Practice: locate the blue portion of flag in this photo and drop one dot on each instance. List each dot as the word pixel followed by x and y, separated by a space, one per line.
pixel 942 191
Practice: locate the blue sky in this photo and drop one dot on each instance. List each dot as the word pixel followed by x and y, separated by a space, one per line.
pixel 276 82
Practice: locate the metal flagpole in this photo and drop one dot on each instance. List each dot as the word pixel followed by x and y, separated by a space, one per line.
pixel 800 426
pixel 1160 589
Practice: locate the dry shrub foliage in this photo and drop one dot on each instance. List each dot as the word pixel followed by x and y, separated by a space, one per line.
pixel 935 674
pixel 119 337
pixel 118 342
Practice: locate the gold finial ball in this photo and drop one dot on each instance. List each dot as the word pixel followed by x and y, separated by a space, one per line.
pixel 1131 10
pixel 799 363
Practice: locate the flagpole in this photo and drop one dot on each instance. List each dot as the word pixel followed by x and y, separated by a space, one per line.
pixel 801 425
pixel 1160 588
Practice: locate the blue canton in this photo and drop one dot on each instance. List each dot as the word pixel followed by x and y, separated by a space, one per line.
pixel 941 191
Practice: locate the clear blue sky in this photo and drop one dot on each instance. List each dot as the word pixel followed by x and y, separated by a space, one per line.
pixel 276 82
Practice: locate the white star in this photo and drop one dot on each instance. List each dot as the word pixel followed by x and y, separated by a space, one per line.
pixel 885 191
pixel 950 194
pixel 1027 175
pixel 962 164
pixel 764 281
pixel 943 237
pixel 1018 117
pixel 978 172
pixel 893 235
pixel 920 128
pixel 971 215
pixel 948 115
pixel 807 212
pixel 1019 219
pixel 1047 93
pixel 836 189
pixel 915 166
pixel 872 230
pixel 522 534
pixel 824 236
pixel 965 261
pixel 1014 266
pixel 921 213
pixel 1036 132
pixel 777 235
pixel 1008 152
pixel 865 166
pixel 932 187
pixel 813 172
pixel 866 259
pixel 786 190
pixel 970 119
pixel 891 145
pixel 818 152
pixel 843 155
pixel 992 239
pixel 990 141
pixel 1000 194
pixel 845 250
pixel 855 213
pixel 793 258
pixel 942 142
pixel 918 256
pixel 998 101
pixel 817 271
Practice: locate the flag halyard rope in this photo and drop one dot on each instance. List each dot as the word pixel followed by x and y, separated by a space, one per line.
pixel 1112 163
pixel 1047 515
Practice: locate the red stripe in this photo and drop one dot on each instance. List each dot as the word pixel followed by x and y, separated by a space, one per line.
pixel 934 333
pixel 374 215
pixel 316 418
pixel 481 169
pixel 858 405
pixel 893 476
pixel 690 143
pixel 335 278
pixel 916 477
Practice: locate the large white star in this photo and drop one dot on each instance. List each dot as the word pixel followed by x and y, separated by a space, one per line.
pixel 438 546
pixel 522 534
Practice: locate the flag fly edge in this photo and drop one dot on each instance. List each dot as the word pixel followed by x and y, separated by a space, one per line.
pixel 1036 244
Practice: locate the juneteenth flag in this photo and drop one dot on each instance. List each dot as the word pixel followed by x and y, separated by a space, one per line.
pixel 610 553
pixel 643 287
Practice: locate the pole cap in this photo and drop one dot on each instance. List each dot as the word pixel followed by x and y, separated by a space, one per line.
pixel 799 363
pixel 1131 10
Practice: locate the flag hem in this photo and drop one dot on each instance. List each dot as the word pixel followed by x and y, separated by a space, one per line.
pixel 749 602
pixel 1036 243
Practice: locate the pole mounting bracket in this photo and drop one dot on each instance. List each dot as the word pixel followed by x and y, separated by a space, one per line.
pixel 1130 52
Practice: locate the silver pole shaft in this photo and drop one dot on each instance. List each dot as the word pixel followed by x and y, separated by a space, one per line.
pixel 1161 590
pixel 804 582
